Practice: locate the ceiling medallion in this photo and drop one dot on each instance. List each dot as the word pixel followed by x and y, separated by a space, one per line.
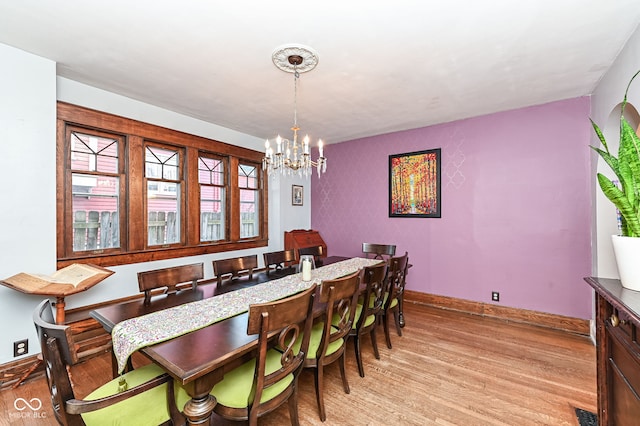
pixel 291 58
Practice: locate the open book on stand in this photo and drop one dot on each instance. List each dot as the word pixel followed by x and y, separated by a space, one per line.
pixel 68 280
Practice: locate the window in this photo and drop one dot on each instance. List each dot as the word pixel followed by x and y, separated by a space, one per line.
pixel 134 192
pixel 95 177
pixel 211 177
pixel 249 200
pixel 164 205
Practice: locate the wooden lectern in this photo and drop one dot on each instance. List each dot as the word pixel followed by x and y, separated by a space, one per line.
pixel 64 282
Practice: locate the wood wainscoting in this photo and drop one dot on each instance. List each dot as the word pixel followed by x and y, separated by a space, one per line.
pixel 542 319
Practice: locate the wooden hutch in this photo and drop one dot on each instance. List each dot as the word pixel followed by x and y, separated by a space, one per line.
pixel 300 238
pixel 618 352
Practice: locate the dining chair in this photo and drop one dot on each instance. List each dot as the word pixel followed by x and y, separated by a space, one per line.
pixel 316 251
pixel 169 279
pixel 228 270
pixel 278 260
pixel 369 306
pixel 378 251
pixel 330 331
pixel 144 396
pixel 394 289
pixel 267 381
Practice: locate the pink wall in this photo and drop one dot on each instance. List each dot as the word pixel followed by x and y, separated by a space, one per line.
pixel 515 207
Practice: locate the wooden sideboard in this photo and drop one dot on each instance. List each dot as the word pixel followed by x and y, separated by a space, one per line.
pixel 618 352
pixel 300 238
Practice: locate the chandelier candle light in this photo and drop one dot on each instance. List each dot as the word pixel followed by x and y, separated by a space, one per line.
pixel 292 156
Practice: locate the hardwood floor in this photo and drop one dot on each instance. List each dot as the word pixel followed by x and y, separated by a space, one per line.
pixel 448 368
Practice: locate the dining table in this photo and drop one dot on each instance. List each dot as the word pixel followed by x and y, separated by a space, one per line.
pixel 199 357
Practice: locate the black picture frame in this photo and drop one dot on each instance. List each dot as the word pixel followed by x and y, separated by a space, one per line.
pixel 415 184
pixel 297 195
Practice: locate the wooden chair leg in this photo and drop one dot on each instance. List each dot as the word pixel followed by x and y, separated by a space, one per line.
pixel 319 392
pixel 293 406
pixel 253 418
pixel 396 318
pixel 387 335
pixel 343 372
pixel 356 346
pixel 374 343
pixel 27 373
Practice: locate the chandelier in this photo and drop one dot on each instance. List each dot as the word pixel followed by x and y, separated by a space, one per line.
pixel 292 156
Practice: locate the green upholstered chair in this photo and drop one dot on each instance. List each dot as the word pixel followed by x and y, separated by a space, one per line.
pixel 267 381
pixel 394 289
pixel 144 396
pixel 373 277
pixel 330 331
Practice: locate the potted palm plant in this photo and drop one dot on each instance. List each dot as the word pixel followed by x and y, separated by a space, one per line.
pixel 625 196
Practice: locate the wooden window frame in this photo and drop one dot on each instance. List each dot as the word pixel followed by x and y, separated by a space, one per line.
pixel 68 173
pixel 133 239
pixel 226 186
pixel 259 177
pixel 180 180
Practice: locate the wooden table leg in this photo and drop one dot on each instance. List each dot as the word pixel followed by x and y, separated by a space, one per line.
pixel 199 408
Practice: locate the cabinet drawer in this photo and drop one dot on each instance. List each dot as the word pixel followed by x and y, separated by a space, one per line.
pixel 624 358
pixel 623 379
pixel 620 324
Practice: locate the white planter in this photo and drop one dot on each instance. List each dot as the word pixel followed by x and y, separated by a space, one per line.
pixel 627 251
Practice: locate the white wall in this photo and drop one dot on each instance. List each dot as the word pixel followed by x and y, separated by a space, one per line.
pixel 606 113
pixel 29 90
pixel 28 175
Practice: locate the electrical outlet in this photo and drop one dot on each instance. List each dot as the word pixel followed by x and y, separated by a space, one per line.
pixel 21 347
pixel 495 296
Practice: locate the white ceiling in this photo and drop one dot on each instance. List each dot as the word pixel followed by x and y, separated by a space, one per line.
pixel 383 66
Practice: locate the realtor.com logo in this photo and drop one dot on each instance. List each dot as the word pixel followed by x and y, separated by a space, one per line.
pixel 27 409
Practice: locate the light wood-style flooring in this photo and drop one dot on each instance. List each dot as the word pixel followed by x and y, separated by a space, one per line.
pixel 448 368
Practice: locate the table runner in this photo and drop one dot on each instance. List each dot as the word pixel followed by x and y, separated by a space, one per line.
pixel 133 334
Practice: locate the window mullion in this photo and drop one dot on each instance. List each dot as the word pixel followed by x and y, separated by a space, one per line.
pixel 234 202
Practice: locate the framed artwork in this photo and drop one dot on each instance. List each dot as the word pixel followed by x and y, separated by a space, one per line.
pixel 296 195
pixel 414 184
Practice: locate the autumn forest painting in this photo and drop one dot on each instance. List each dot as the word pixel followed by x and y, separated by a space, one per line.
pixel 414 184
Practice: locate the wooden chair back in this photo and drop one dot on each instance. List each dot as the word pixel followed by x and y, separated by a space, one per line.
pixel 277 260
pixel 290 317
pixel 378 251
pixel 235 267
pixel 373 277
pixel 56 344
pixel 394 290
pixel 396 278
pixel 317 252
pixel 340 297
pixel 169 278
pixel 370 304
